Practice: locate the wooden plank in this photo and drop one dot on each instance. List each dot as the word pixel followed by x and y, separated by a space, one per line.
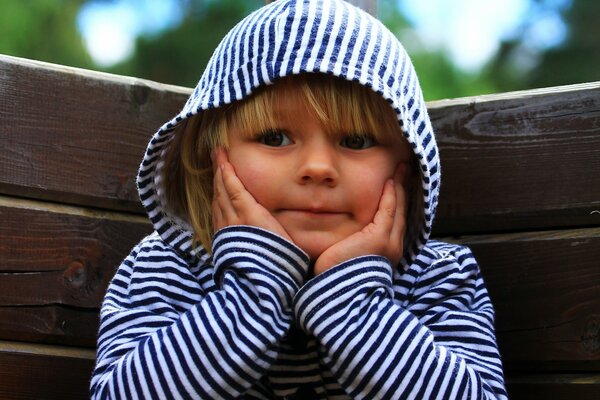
pixel 55 268
pixel 544 286
pixel 29 371
pixel 583 386
pixel 77 136
pixel 492 147
pixel 49 324
pixel 519 161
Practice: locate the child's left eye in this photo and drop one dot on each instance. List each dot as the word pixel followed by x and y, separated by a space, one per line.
pixel 358 142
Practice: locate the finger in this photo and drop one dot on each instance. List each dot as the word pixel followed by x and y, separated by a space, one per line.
pixel 226 210
pixel 218 220
pixel 233 187
pixel 241 200
pixel 399 224
pixel 217 215
pixel 398 230
pixel 219 157
pixel 384 217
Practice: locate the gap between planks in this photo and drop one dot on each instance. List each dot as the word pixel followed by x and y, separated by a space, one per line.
pixel 37 205
pixel 36 349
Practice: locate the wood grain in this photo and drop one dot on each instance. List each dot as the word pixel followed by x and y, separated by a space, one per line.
pixel 520 161
pixel 554 386
pixel 544 286
pixel 74 136
pixel 55 265
pixel 30 371
pixel 524 162
pixel 520 187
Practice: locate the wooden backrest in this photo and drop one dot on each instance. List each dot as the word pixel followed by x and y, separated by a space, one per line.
pixel 70 144
pixel 520 186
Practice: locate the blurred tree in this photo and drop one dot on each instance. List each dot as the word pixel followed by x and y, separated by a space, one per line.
pixel 46 30
pixel 438 76
pixel 516 66
pixel 179 55
pixel 578 58
pixel 43 30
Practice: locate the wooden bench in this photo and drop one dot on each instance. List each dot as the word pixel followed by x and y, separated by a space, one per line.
pixel 521 186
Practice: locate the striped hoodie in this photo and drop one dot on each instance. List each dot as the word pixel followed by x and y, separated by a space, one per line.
pixel 244 320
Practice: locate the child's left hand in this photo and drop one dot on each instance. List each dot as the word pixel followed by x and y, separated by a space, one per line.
pixel 383 236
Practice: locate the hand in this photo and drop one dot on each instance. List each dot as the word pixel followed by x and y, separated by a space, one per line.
pixel 383 236
pixel 233 205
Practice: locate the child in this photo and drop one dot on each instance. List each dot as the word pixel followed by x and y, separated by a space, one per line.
pixel 292 199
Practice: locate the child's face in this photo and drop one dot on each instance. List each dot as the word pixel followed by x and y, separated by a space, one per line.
pixel 321 187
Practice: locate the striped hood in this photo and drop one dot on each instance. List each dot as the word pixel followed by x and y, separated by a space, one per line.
pixel 290 37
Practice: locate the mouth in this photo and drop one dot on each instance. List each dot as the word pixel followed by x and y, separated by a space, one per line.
pixel 314 212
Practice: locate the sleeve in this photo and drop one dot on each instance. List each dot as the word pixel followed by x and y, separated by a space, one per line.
pixel 162 336
pixel 439 345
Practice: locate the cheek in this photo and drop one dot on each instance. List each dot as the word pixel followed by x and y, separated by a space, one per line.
pixel 368 183
pixel 367 194
pixel 255 177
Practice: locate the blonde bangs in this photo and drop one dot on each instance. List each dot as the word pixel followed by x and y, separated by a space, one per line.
pixel 341 106
pixel 347 107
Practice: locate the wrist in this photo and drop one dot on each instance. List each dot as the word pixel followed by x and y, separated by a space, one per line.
pixel 334 290
pixel 237 246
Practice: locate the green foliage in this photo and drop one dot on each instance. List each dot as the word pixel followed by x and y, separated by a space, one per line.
pixel 46 30
pixel 179 55
pixel 575 60
pixel 578 58
pixel 43 30
pixel 438 76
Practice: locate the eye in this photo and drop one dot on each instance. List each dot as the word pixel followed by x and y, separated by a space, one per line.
pixel 274 138
pixel 358 141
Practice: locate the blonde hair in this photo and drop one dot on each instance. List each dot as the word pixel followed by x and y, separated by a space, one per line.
pixel 340 105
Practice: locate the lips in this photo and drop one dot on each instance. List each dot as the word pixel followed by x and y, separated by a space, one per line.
pixel 317 209
pixel 312 212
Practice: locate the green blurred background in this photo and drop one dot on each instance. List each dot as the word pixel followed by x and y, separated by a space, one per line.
pixel 543 43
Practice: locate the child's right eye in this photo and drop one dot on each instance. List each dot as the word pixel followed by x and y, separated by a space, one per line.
pixel 274 138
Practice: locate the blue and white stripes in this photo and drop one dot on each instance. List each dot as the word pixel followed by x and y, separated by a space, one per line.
pixel 292 37
pixel 167 333
pixel 383 344
pixel 360 330
pixel 177 323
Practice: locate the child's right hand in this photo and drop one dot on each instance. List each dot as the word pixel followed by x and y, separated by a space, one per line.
pixel 233 205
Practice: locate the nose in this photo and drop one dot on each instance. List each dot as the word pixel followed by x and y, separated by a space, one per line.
pixel 318 164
